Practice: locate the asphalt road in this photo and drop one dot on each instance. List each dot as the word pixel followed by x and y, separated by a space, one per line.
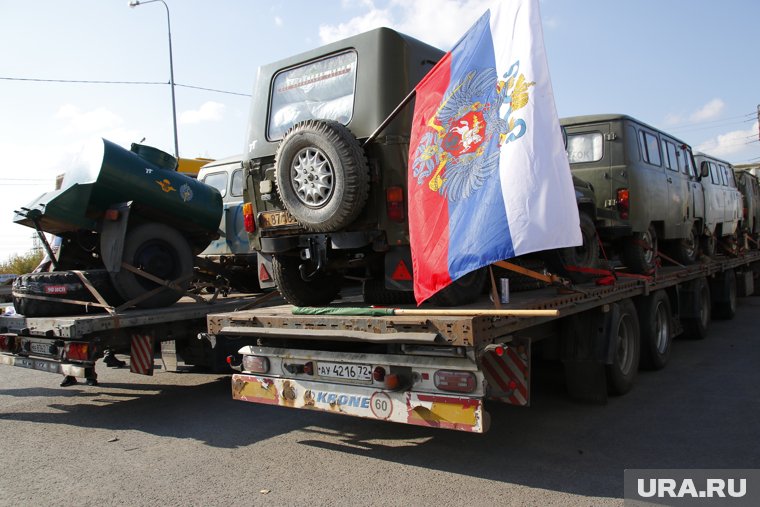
pixel 179 439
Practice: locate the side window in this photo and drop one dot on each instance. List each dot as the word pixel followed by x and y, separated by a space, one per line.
pixel 650 148
pixel 585 147
pixel 723 175
pixel 671 161
pixel 218 181
pixel 236 189
pixel 322 89
pixel 714 176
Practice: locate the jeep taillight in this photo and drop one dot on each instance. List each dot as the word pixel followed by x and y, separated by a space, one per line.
pixel 622 202
pixel 248 222
pixel 394 199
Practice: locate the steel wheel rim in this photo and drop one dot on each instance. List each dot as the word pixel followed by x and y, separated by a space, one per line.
pixel 690 245
pixel 649 252
pixel 158 258
pixel 624 352
pixel 662 328
pixel 313 177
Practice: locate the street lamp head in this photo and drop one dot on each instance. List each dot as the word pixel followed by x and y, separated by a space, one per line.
pixel 134 3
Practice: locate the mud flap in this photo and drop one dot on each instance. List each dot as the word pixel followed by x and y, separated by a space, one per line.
pixel 587 346
pixel 398 269
pixel 264 269
pixel 508 374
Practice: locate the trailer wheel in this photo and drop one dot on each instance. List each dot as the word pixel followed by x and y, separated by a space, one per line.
pixel 624 330
pixel 61 284
pixel 461 291
pixel 375 293
pixel 322 175
pixel 695 327
pixel 656 331
pixel 640 250
pixel 724 295
pixel 319 291
pixel 161 251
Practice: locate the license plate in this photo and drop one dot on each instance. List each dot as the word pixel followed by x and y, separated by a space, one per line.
pixel 345 371
pixel 40 348
pixel 276 219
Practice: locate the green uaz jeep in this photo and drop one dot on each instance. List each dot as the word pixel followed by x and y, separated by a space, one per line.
pixel 323 203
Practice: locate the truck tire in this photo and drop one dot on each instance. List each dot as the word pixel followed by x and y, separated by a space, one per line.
pixel 64 285
pixel 161 251
pixel 463 291
pixel 655 324
pixel 624 329
pixel 584 256
pixel 375 293
pixel 723 290
pixel 319 291
pixel 640 251
pixel 698 299
pixel 322 175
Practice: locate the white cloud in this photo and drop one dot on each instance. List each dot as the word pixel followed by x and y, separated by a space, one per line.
pixel 94 121
pixel 730 142
pixel 673 119
pixel 208 112
pixel 437 22
pixel 709 111
pixel 278 21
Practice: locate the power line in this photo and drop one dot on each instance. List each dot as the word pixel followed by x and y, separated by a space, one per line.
pixel 91 81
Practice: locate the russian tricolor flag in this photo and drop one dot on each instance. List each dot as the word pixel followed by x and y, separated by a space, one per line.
pixel 488 175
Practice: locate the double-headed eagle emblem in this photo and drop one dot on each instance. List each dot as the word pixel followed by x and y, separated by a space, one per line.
pixel 474 120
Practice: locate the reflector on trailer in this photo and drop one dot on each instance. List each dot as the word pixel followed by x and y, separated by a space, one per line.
pixel 401 273
pixel 264 274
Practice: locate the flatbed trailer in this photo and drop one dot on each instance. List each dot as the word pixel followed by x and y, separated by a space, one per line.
pixel 71 345
pixel 437 370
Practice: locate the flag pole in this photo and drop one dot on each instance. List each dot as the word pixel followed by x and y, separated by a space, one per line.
pixel 390 117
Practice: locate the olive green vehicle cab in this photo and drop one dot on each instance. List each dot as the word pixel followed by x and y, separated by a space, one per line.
pixel 322 202
pixel 648 192
pixel 723 201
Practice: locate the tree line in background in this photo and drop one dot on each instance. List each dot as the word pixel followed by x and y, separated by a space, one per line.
pixel 22 263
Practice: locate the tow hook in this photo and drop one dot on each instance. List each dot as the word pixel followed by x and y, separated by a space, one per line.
pixel 317 252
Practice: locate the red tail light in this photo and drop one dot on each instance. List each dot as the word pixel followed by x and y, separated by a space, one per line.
pixel 77 351
pixel 457 381
pixel 622 202
pixel 394 199
pixel 248 222
pixel 378 374
pixel 7 343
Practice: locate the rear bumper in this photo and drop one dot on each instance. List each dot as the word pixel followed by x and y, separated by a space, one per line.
pixel 47 365
pixel 432 410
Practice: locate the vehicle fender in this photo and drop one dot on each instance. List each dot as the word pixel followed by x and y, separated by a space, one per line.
pixel 112 236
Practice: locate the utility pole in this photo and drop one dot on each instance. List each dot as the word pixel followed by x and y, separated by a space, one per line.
pixel 758 122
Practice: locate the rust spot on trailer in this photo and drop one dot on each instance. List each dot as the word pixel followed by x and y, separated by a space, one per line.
pixel 288 394
pixel 308 398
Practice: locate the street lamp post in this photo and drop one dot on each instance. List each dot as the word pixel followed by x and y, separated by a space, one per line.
pixel 135 3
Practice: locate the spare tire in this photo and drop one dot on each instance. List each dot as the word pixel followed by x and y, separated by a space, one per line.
pixel 61 285
pixel 322 175
pixel 161 251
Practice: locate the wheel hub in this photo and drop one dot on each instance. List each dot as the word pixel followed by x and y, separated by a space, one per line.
pixel 313 177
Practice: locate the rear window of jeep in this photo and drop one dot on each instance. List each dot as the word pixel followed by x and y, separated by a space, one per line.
pixel 585 147
pixel 323 90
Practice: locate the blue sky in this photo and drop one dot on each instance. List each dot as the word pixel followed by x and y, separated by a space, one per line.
pixel 688 67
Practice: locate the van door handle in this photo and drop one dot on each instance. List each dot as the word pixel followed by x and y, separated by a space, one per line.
pixel 670 180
